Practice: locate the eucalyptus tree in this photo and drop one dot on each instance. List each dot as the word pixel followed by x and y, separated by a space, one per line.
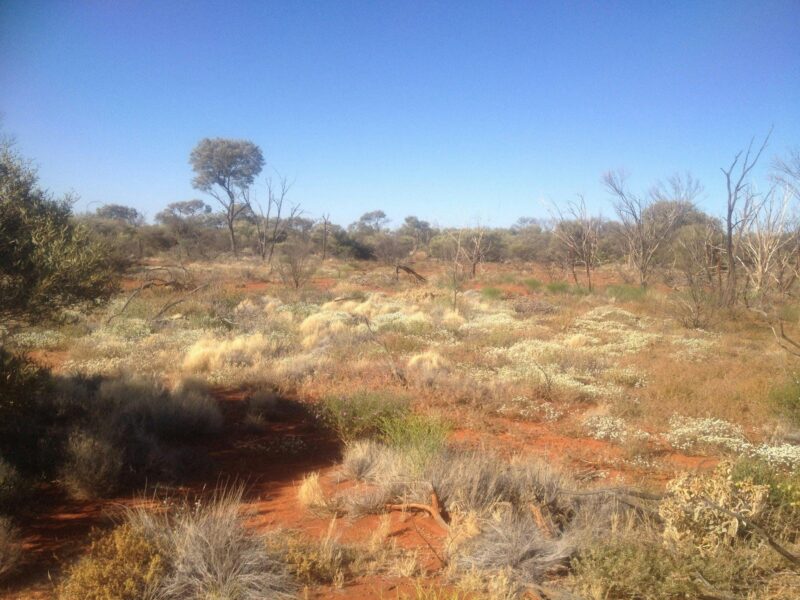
pixel 225 169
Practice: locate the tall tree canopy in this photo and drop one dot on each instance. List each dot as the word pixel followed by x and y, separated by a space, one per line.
pixel 226 169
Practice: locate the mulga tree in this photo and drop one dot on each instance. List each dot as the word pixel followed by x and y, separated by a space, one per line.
pixel 47 261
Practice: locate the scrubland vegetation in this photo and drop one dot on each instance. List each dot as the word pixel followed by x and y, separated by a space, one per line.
pixel 576 408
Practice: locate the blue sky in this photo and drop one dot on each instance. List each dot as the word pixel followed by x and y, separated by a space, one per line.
pixel 459 112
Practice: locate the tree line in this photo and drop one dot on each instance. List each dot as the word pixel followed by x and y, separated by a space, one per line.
pixel 751 250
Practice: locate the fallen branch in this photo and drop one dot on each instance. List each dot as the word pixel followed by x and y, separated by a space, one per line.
pixel 417 277
pixel 760 532
pixel 433 510
pixel 169 305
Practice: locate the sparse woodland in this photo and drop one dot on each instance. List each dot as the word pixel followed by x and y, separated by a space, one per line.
pixel 241 400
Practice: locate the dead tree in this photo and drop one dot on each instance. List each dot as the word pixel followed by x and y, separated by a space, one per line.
pixel 270 226
pixel 764 246
pixel 577 234
pixel 649 220
pixel 475 250
pixel 740 208
pixel 326 224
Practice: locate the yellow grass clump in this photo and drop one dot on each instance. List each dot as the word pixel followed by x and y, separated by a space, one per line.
pixel 210 354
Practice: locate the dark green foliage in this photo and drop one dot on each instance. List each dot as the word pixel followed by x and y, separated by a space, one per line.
pixel 46 262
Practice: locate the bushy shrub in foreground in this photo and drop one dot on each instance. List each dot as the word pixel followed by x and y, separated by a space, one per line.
pixel 121 565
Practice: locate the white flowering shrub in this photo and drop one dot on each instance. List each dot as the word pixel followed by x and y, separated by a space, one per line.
pixel 687 433
pixel 612 429
pixel 693 434
pixel 38 338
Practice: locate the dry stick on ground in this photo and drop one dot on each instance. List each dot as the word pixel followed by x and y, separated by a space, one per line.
pixel 430 546
pixel 169 305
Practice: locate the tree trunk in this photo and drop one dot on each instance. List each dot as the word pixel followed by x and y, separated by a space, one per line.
pixel 232 237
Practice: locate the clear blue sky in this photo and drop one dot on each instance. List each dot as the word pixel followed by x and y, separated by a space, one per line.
pixel 456 112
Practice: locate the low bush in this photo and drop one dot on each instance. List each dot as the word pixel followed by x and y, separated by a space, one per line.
pixel 558 287
pixel 635 565
pixel 491 293
pixel 22 418
pixel 533 285
pixel 626 293
pixel 186 412
pixel 93 465
pixel 360 415
pixel 419 437
pixel 785 398
pixel 12 487
pixel 121 565
pixel 322 561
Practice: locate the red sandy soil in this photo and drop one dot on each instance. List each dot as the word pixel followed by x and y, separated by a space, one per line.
pixel 59 529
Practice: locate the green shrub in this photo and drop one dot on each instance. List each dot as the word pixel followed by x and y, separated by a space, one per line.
pixel 491 293
pixel 558 287
pixel 784 494
pixel 533 285
pixel 579 290
pixel 47 261
pixel 420 437
pixel 626 293
pixel 785 398
pixel 360 415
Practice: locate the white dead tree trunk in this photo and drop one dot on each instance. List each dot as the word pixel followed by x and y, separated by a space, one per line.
pixel 740 208
pixel 765 244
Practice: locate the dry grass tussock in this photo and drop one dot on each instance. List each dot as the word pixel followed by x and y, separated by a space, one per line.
pixel 210 553
pixel 213 354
